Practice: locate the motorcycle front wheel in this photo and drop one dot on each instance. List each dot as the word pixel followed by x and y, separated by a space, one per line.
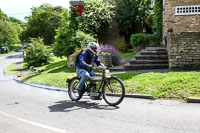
pixel 113 91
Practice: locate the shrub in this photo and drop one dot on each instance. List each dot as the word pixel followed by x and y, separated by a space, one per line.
pixel 113 51
pixel 81 39
pixel 140 39
pixel 36 53
pixel 120 47
pixel 15 47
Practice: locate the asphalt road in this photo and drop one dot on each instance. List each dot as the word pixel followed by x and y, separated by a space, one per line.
pixel 28 109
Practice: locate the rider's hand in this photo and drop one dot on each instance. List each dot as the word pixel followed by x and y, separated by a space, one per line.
pixel 90 66
pixel 101 67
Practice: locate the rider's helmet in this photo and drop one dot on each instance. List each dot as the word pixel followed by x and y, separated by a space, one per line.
pixel 92 46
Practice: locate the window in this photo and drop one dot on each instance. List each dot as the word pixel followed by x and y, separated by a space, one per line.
pixel 187 10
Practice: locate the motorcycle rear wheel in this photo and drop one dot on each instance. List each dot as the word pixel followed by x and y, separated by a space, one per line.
pixel 72 89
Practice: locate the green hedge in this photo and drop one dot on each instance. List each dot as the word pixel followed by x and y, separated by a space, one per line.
pixel 141 39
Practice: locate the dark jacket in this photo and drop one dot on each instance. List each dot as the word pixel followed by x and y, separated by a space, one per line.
pixel 88 58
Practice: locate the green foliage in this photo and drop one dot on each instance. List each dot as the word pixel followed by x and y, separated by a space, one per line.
pixel 64 44
pixel 120 47
pixel 10 29
pixel 8 32
pixel 3 16
pixel 96 17
pixel 36 53
pixel 141 39
pixel 15 47
pixel 131 13
pixel 81 39
pixel 43 23
pixel 128 53
pixel 158 20
pixel 17 22
pixel 149 20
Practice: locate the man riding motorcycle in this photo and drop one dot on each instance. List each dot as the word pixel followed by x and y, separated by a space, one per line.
pixel 84 65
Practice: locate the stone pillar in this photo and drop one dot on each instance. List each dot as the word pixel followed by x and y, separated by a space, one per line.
pixel 106 59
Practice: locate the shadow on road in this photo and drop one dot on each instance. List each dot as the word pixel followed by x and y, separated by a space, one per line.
pixel 68 105
pixel 15 56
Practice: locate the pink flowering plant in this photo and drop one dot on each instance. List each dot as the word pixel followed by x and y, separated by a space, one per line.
pixel 113 51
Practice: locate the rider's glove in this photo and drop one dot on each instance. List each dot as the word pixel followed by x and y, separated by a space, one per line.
pixel 101 67
pixel 87 65
pixel 90 66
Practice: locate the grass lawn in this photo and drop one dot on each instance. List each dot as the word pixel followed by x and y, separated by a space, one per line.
pixel 56 64
pixel 125 54
pixel 11 69
pixel 50 79
pixel 178 85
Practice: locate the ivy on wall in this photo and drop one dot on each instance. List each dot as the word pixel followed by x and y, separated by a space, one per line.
pixel 158 20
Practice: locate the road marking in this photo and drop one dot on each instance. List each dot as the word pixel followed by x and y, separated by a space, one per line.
pixel 35 123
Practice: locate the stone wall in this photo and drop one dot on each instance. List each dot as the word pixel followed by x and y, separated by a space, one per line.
pixel 180 23
pixel 111 35
pixel 184 50
pixel 183 35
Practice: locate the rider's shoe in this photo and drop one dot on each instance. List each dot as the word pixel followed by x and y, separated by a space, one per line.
pixel 80 92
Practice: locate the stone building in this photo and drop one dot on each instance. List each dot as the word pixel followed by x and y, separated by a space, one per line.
pixel 181 26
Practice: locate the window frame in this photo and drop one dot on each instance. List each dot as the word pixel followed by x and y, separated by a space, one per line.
pixel 187 10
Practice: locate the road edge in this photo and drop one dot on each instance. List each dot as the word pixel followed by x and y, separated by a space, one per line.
pixel 140 96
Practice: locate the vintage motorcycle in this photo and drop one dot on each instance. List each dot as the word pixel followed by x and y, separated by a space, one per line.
pixel 110 87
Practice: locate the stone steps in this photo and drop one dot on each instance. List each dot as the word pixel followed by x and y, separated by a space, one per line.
pixel 132 62
pixel 149 58
pixel 144 52
pixel 128 66
pixel 156 48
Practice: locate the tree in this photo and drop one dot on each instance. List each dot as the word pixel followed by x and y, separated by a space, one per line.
pixel 43 23
pixel 96 17
pixel 68 37
pixel 3 16
pixel 17 21
pixel 37 53
pixel 67 30
pixel 8 32
pixel 131 13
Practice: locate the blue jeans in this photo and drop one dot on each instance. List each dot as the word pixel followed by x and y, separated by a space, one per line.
pixel 85 75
